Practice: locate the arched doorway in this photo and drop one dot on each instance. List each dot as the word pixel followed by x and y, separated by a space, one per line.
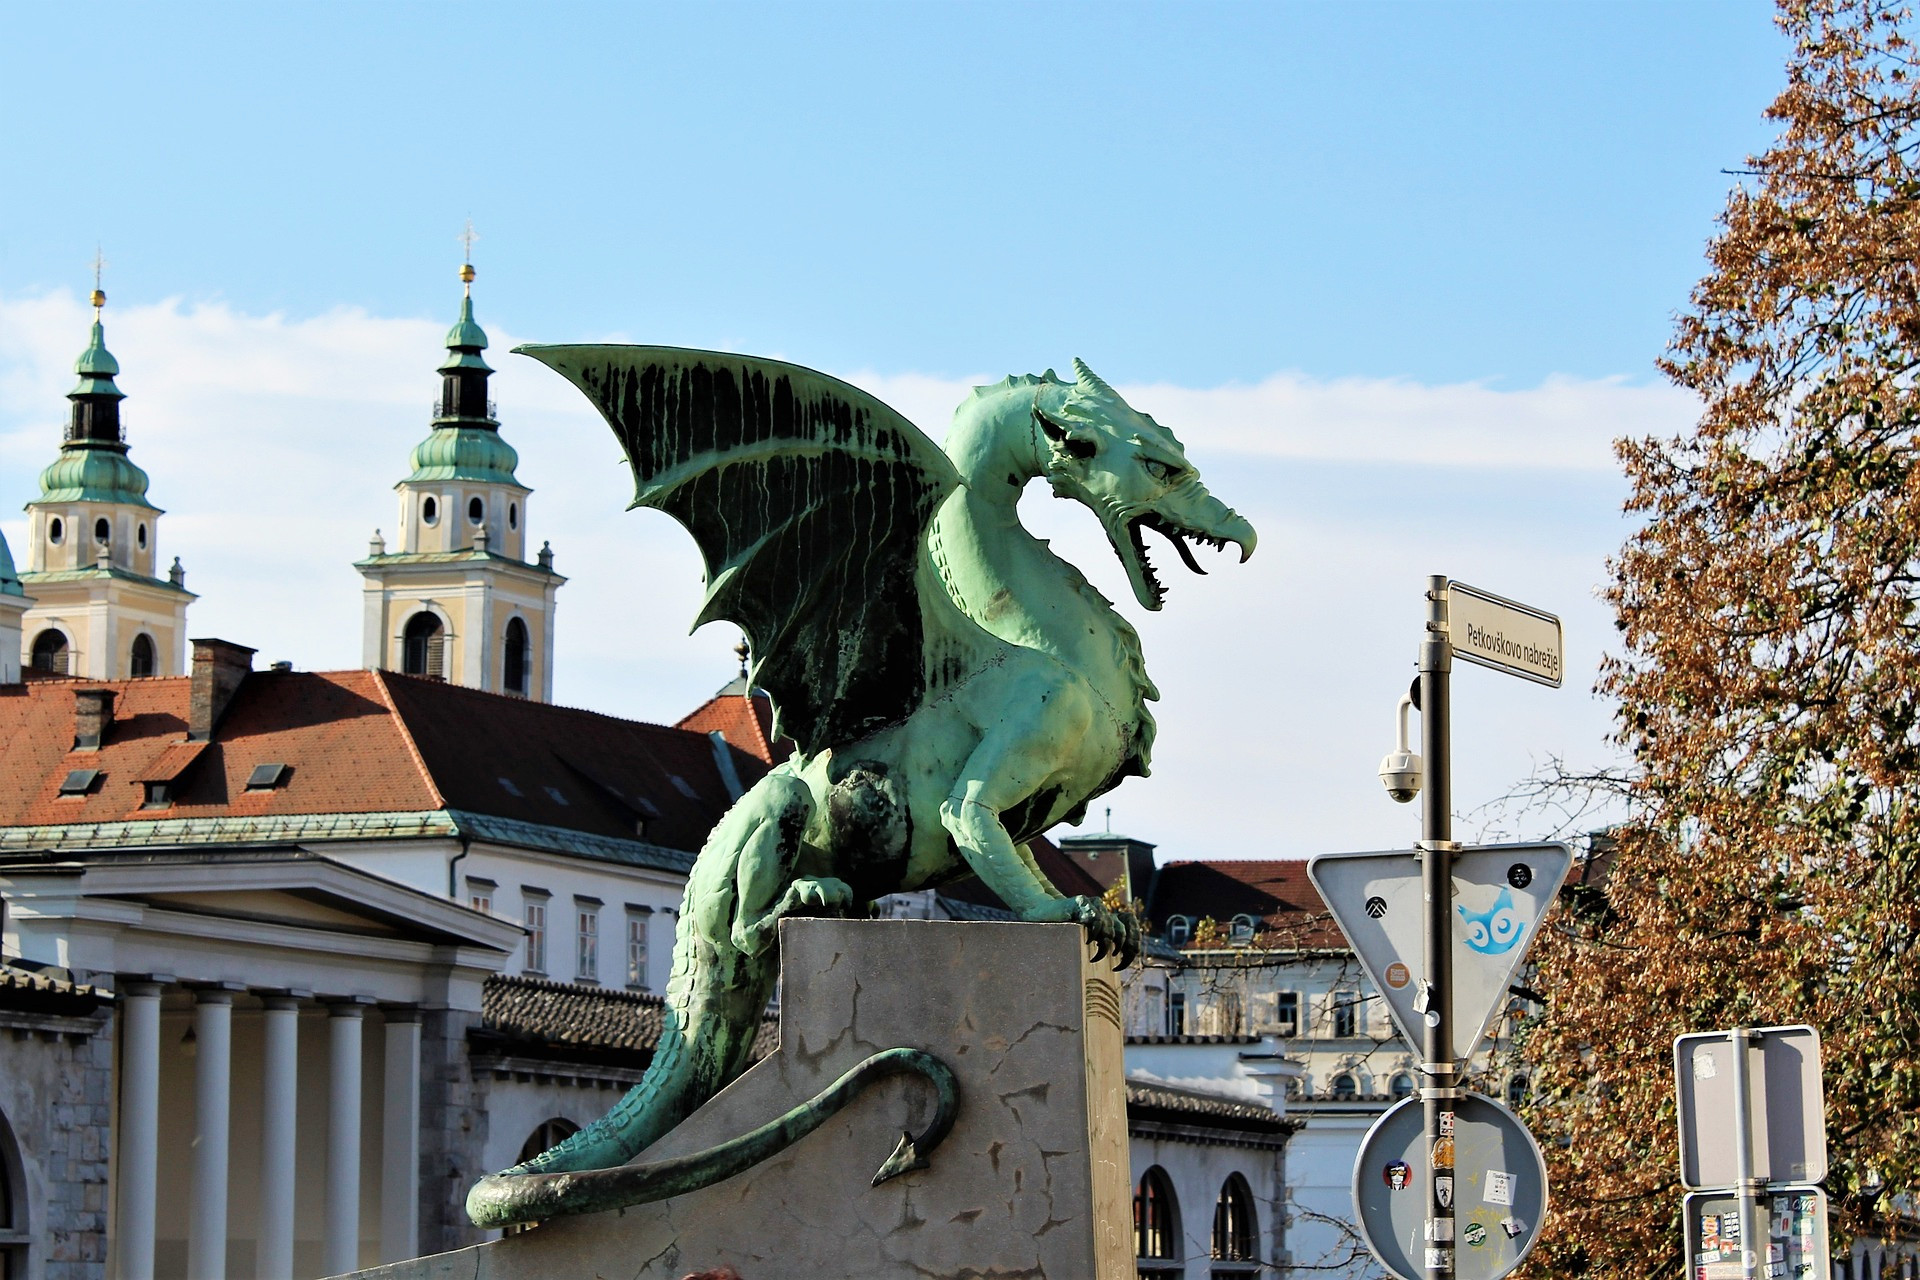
pixel 424 646
pixel 50 652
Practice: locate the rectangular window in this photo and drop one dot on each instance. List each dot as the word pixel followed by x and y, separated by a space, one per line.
pixel 536 922
pixel 637 950
pixel 1177 1013
pixel 1346 1010
pixel 480 894
pixel 1286 1013
pixel 586 966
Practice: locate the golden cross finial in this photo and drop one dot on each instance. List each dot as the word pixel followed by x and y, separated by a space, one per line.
pixel 467 238
pixel 99 265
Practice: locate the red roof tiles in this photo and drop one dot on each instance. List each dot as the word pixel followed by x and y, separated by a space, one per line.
pixel 362 742
pixel 746 723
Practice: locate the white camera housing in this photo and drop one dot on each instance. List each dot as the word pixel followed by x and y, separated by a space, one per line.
pixel 1400 771
pixel 1401 775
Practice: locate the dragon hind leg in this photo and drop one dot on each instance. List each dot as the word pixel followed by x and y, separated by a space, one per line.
pixel 723 975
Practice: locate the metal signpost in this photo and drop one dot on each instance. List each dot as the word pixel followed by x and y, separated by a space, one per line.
pixel 1500 1169
pixel 1753 1137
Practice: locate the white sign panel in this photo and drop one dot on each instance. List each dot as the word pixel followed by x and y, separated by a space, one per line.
pixel 1496 632
pixel 1786 1106
pixel 1500 893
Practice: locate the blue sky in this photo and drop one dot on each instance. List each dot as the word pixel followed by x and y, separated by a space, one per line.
pixel 1396 273
pixel 1196 192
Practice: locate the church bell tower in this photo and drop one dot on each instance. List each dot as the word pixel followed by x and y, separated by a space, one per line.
pixel 100 608
pixel 457 599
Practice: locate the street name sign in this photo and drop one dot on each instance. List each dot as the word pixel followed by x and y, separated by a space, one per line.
pixel 1496 1178
pixel 1500 893
pixel 1504 634
pixel 1797 1247
pixel 1786 1107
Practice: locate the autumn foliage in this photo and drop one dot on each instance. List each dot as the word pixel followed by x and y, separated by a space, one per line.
pixel 1768 682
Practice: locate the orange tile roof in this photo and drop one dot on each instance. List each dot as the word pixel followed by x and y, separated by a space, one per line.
pixel 362 742
pixel 746 723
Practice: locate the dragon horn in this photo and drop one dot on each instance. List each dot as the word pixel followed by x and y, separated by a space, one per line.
pixel 1090 381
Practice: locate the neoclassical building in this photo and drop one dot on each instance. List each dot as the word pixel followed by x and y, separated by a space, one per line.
pixel 458 599
pixel 100 607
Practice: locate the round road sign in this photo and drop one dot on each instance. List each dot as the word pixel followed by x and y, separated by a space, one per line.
pixel 1499 1189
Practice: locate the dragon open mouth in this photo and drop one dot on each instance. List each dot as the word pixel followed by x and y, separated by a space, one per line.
pixel 1178 537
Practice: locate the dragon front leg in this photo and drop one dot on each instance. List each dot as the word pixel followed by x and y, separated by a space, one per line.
pixel 1009 765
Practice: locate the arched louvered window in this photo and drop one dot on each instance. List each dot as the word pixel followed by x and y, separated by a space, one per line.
pixel 516 658
pixel 50 652
pixel 140 661
pixel 1156 1226
pixel 1235 1230
pixel 425 647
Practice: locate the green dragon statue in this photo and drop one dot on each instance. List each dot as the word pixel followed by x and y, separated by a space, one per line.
pixel 953 689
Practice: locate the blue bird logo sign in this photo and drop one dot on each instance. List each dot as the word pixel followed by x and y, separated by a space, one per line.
pixel 1495 931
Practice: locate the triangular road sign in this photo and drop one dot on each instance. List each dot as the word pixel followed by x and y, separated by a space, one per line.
pixel 1500 893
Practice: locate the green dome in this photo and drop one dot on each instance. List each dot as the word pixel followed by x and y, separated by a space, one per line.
pixel 465 453
pixel 9 576
pixel 97 368
pixel 93 475
pixel 465 341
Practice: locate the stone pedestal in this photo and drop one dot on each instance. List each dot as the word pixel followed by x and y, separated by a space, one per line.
pixel 1032 1182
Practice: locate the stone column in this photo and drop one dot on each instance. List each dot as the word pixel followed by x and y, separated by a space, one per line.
pixel 139 1154
pixel 279 1103
pixel 400 1143
pixel 340 1240
pixel 207 1220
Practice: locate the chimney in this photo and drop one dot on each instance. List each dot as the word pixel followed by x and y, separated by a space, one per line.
pixel 92 713
pixel 218 668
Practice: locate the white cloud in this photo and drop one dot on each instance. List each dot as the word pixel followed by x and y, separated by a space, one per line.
pixel 273 442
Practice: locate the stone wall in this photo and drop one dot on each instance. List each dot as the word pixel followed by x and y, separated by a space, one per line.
pixel 56 1081
pixel 453 1130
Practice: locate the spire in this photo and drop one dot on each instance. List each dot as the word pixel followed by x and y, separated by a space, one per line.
pixel 463 391
pixel 93 466
pixel 465 443
pixel 96 400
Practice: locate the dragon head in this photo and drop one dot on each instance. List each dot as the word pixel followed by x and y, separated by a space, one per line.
pixel 1132 473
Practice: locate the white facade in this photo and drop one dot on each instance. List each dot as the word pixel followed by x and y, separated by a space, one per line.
pixel 271 1012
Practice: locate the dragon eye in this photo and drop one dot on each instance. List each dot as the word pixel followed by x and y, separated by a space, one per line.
pixel 1160 471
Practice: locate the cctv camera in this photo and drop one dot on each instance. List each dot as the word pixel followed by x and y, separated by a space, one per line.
pixel 1400 774
pixel 1400 771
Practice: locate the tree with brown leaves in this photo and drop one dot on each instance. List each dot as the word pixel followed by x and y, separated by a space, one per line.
pixel 1769 684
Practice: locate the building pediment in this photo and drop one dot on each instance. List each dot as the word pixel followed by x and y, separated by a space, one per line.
pixel 289 897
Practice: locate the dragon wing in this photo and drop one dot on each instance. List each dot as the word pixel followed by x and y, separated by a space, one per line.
pixel 809 499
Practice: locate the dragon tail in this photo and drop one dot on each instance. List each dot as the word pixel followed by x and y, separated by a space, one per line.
pixel 508 1198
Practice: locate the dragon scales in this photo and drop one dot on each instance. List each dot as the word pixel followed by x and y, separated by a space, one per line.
pixel 953 690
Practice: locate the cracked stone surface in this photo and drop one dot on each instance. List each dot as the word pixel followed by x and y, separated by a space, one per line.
pixel 1033 1181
